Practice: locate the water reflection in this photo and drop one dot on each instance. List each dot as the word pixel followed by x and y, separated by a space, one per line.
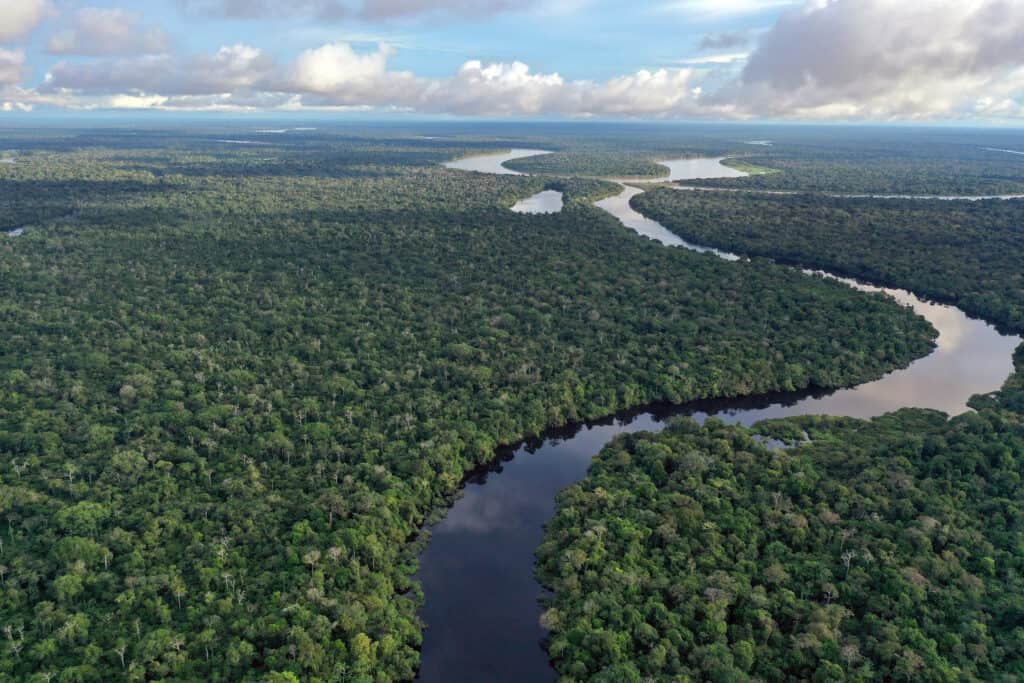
pixel 677 169
pixel 477 573
pixel 971 356
pixel 548 201
pixel 695 169
pixel 619 207
pixel 493 163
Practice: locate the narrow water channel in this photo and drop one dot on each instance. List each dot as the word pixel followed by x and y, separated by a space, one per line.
pixel 477 572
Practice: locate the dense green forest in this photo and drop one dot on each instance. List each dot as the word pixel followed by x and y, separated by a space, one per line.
pixel 235 380
pixel 883 164
pixel 889 549
pixel 883 550
pixel 880 160
pixel 965 252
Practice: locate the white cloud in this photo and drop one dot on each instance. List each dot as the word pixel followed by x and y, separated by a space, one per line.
pixel 665 92
pixel 12 66
pixel 498 89
pixel 715 9
pixel 333 66
pixel 370 9
pixel 136 101
pixel 716 59
pixel 337 75
pixel 830 59
pixel 99 31
pixel 18 17
pixel 230 69
pixel 884 59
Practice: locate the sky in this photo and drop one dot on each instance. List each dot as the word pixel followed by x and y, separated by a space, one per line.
pixel 715 60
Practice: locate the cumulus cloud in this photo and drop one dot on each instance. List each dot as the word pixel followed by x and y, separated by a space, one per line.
pixel 99 31
pixel 230 69
pixel 337 75
pixel 500 89
pixel 12 66
pixel 18 17
pixel 839 59
pixel 884 59
pixel 365 9
pixel 665 92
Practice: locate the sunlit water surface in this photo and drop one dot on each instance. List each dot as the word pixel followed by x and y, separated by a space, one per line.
pixel 482 599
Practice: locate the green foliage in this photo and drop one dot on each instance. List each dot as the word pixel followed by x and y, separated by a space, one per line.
pixel 747 167
pixel 235 381
pixel 967 253
pixel 593 163
pixel 882 550
pixel 875 161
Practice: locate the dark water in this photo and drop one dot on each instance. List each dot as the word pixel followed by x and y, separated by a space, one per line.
pixel 482 606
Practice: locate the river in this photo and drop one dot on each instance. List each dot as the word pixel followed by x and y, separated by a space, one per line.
pixel 482 599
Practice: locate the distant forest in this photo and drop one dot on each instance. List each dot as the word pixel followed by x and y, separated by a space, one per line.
pixel 236 380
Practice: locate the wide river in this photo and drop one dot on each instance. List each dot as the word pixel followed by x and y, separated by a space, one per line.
pixel 482 598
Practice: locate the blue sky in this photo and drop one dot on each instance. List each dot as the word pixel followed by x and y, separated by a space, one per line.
pixel 849 60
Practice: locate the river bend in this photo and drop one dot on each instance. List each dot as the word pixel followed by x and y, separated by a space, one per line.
pixel 477 572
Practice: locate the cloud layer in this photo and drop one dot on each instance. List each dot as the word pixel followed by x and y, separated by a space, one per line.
pixel 885 59
pixel 825 59
pixel 12 66
pixel 18 17
pixel 336 75
pixel 99 32
pixel 366 9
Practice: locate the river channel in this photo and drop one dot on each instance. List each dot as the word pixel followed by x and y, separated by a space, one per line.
pixel 482 598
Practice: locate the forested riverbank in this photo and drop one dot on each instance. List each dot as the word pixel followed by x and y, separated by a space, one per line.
pixel 897 163
pixel 869 550
pixel 887 549
pixel 967 253
pixel 236 381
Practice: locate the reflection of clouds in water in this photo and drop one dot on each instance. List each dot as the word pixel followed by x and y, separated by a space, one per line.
pixel 972 358
pixel 482 553
pixel 521 497
pixel 619 207
pixel 483 511
pixel 696 169
pixel 493 163
pixel 953 326
pixel 548 201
